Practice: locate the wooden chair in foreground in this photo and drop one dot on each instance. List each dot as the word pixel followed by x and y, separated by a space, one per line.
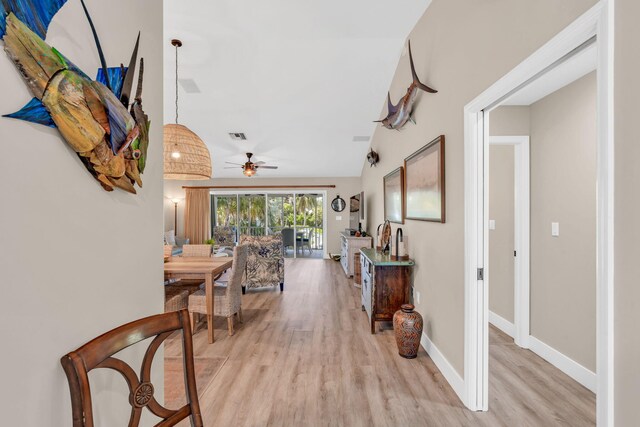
pixel 98 354
pixel 227 295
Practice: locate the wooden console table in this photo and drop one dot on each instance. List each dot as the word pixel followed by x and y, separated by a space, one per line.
pixel 386 285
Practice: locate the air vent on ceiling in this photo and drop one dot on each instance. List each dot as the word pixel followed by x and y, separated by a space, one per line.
pixel 361 138
pixel 189 85
pixel 238 136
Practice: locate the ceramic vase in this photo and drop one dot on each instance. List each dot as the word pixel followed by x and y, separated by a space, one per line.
pixel 407 325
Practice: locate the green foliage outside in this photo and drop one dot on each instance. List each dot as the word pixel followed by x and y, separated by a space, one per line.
pixel 248 213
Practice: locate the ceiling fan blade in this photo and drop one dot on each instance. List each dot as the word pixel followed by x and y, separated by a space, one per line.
pixel 267 167
pixel 237 164
pixel 231 167
pixel 259 163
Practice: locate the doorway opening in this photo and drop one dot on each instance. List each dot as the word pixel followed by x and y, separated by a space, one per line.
pixel 592 29
pixel 511 194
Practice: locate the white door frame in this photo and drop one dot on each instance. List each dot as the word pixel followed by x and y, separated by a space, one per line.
pixel 598 21
pixel 522 260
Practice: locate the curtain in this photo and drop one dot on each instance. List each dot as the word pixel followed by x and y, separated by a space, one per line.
pixel 197 216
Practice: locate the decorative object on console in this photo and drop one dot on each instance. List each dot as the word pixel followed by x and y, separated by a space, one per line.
pixel 399 114
pixel 372 158
pixel 424 183
pixel 92 116
pixel 186 156
pixel 407 326
pixel 399 249
pixel 393 186
pixel 338 204
pixel 385 239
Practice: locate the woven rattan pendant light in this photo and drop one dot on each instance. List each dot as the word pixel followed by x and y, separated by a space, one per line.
pixel 186 156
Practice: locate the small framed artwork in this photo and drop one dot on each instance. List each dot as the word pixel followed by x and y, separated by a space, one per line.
pixel 393 196
pixel 424 183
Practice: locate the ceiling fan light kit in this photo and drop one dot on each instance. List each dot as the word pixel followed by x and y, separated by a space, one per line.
pixel 250 168
pixel 186 156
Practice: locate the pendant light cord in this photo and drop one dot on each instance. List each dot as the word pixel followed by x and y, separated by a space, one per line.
pixel 176 84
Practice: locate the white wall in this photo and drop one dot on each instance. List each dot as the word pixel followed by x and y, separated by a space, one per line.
pixel 460 47
pixel 345 187
pixel 563 189
pixel 76 261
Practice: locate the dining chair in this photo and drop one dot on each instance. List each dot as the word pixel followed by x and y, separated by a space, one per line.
pixel 99 354
pixel 196 251
pixel 227 296
pixel 288 238
pixel 265 261
pixel 167 250
pixel 302 240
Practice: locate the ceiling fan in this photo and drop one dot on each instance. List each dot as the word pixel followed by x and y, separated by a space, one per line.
pixel 250 168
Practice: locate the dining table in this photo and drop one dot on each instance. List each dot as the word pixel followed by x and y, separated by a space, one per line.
pixel 207 268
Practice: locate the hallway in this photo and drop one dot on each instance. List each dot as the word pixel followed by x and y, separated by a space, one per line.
pixel 305 357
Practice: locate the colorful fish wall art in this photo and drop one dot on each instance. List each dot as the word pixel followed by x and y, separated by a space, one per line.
pixel 398 115
pixel 96 118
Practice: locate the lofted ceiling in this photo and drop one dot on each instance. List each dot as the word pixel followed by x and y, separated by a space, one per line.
pixel 304 80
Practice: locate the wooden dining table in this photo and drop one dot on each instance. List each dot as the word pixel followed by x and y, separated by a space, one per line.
pixel 207 268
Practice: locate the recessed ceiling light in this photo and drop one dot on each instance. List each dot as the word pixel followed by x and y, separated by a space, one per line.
pixel 361 138
pixel 237 136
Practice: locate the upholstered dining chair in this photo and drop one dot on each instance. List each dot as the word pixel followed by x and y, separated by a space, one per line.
pixel 265 261
pixel 196 251
pixel 227 296
pixel 224 235
pixel 99 354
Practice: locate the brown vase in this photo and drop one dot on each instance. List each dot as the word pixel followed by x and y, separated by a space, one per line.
pixel 407 325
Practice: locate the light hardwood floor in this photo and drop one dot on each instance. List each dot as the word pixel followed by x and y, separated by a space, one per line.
pixel 306 358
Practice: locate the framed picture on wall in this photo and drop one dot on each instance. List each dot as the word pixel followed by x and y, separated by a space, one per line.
pixel 393 184
pixel 424 183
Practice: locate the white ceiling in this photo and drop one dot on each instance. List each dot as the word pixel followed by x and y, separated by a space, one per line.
pixel 555 79
pixel 301 78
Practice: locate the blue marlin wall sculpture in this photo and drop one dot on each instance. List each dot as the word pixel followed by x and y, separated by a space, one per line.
pixel 398 115
pixel 94 117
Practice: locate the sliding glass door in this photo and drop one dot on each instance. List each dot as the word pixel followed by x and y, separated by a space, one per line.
pixel 252 214
pixel 309 223
pixel 299 217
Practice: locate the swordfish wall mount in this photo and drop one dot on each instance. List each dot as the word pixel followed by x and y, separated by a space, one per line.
pixel 95 118
pixel 398 115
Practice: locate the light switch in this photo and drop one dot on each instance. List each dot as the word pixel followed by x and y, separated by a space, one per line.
pixel 555 229
pixel 492 224
pixel 338 218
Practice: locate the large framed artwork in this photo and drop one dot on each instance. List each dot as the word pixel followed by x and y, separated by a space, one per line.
pixel 393 196
pixel 424 183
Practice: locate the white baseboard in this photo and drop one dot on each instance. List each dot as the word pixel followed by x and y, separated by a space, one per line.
pixel 570 367
pixel 503 324
pixel 448 371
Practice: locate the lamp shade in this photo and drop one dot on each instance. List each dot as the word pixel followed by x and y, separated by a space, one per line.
pixel 186 157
